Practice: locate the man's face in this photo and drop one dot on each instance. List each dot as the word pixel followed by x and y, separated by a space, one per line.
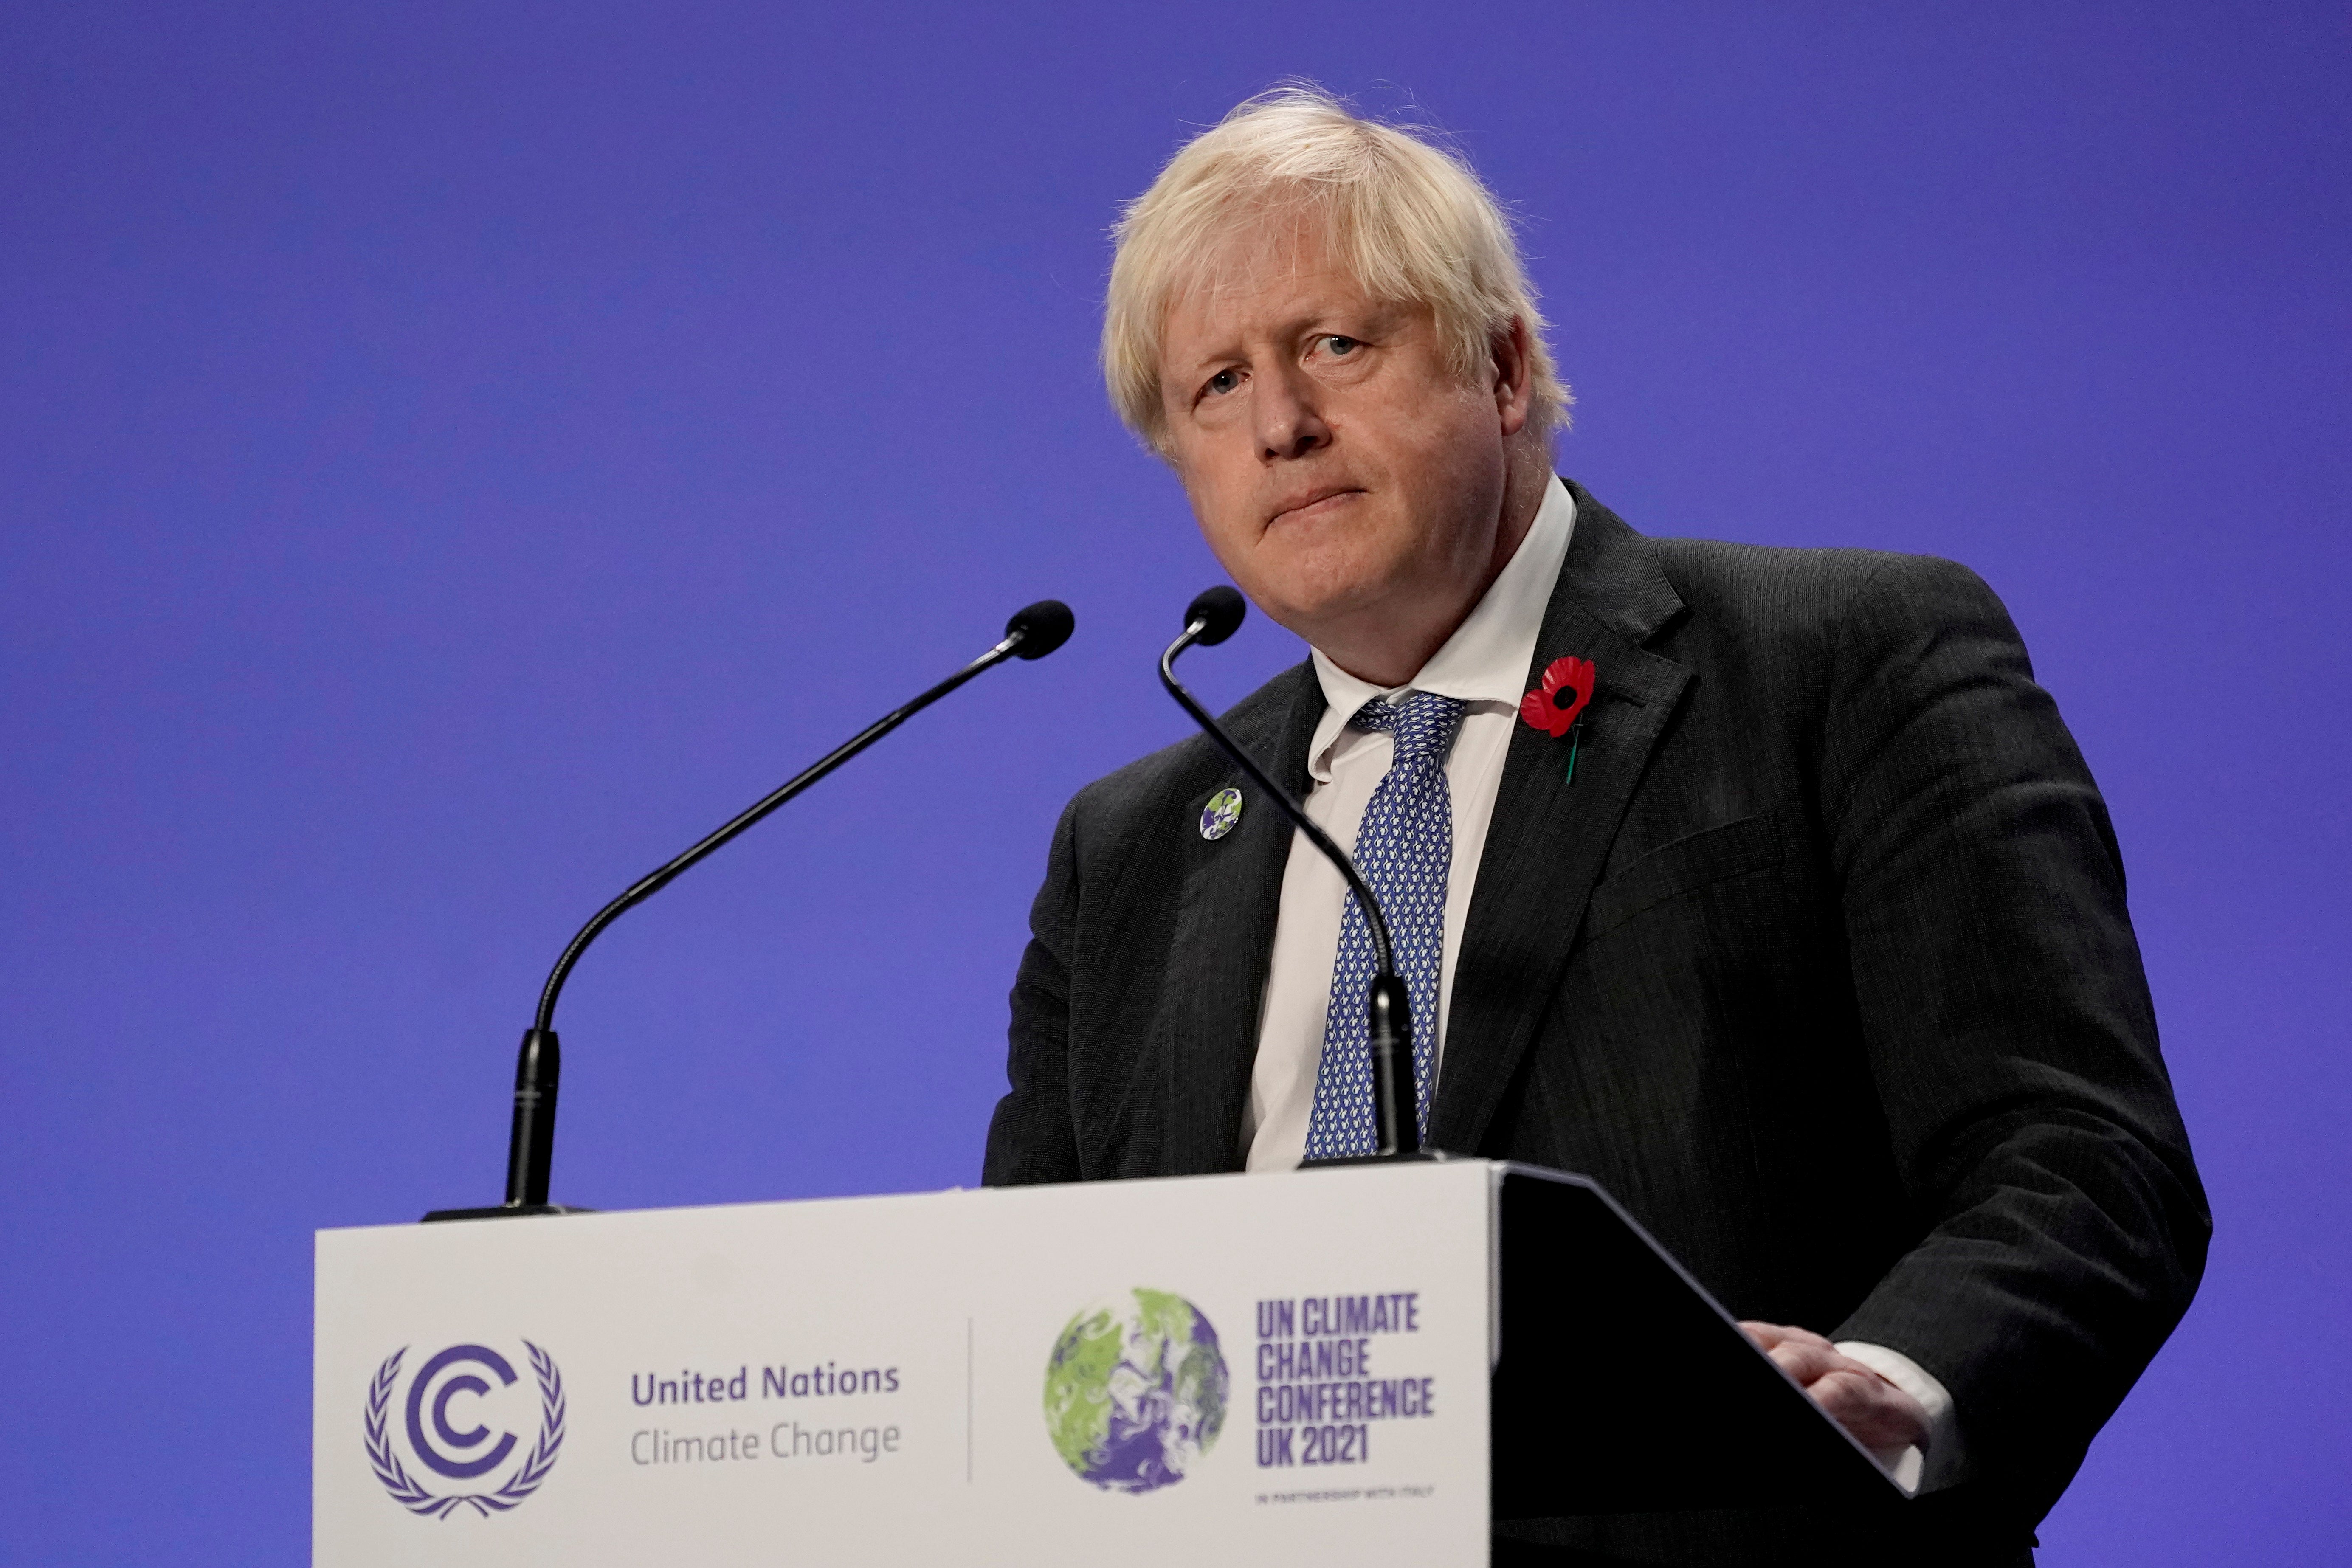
pixel 1343 476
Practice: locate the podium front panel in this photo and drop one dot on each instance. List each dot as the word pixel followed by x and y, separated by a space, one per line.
pixel 1289 1368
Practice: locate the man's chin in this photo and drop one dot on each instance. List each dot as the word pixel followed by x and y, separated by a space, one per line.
pixel 1316 613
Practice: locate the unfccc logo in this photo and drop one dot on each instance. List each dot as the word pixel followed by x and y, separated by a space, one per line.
pixel 448 1436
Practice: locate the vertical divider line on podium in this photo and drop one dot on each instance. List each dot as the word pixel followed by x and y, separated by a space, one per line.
pixel 1495 1270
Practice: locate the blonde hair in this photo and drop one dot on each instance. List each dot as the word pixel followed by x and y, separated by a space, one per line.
pixel 1413 222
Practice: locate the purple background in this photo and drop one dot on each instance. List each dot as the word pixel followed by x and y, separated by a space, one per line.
pixel 452 455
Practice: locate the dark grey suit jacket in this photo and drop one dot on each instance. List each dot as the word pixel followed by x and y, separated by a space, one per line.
pixel 1820 965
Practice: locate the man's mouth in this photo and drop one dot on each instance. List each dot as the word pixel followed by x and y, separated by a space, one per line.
pixel 1313 504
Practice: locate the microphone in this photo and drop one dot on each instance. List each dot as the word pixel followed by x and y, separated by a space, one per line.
pixel 1032 633
pixel 1211 617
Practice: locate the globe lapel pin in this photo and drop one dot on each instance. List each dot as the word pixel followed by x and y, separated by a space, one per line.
pixel 1223 810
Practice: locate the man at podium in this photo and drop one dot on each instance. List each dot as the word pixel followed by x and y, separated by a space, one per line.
pixel 1762 886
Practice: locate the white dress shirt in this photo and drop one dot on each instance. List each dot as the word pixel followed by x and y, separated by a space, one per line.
pixel 1484 664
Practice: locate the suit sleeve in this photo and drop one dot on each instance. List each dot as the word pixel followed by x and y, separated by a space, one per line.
pixel 1031 1138
pixel 2008 1030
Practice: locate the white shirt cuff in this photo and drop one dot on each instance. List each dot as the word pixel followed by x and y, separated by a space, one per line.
pixel 1942 1462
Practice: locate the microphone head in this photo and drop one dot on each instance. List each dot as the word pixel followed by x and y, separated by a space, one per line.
pixel 1222 608
pixel 1042 627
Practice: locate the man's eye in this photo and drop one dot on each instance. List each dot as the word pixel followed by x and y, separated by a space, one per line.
pixel 1224 380
pixel 1340 344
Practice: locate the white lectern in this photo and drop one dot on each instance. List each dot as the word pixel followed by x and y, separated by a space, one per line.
pixel 1363 1365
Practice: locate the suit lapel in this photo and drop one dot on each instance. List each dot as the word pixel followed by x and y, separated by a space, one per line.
pixel 1548 837
pixel 1223 938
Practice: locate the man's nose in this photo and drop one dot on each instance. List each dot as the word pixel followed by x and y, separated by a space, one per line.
pixel 1289 424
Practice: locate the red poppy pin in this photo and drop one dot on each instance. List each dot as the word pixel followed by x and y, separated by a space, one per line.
pixel 1555 706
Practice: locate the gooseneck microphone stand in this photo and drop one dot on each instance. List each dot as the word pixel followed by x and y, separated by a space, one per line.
pixel 1032 633
pixel 1211 617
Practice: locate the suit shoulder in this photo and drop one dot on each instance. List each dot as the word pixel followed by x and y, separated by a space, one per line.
pixel 1146 786
pixel 1151 778
pixel 1799 590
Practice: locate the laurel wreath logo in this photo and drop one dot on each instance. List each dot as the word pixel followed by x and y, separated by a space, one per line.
pixel 403 1487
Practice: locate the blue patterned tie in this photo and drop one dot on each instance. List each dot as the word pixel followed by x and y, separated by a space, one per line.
pixel 1405 850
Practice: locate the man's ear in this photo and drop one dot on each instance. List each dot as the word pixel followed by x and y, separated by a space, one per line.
pixel 1514 368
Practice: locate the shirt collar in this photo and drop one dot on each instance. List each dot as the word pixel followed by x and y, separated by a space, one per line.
pixel 1487 658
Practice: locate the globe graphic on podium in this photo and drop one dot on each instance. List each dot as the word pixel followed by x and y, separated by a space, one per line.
pixel 1135 1391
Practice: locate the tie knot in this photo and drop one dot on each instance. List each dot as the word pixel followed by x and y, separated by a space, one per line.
pixel 1424 724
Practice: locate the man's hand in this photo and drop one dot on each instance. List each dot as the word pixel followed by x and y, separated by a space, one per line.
pixel 1881 1418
